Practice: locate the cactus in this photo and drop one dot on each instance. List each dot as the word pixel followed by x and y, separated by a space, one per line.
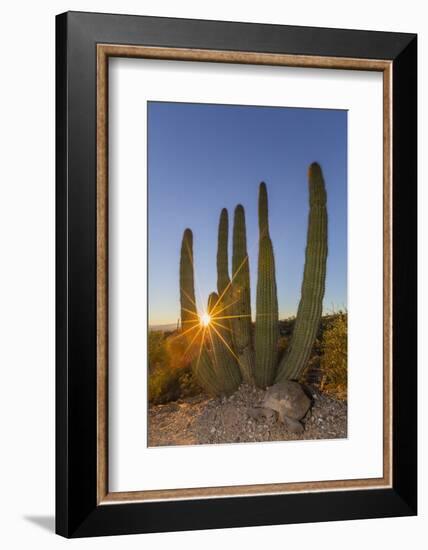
pixel 223 280
pixel 225 366
pixel 310 307
pixel 203 369
pixel 221 309
pixel 241 309
pixel 266 332
pixel 222 353
pixel 190 323
pixel 189 313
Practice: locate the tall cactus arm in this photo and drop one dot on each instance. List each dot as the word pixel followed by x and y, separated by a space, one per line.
pixel 223 279
pixel 190 324
pixel 266 332
pixel 189 313
pixel 221 309
pixel 263 211
pixel 310 307
pixel 242 324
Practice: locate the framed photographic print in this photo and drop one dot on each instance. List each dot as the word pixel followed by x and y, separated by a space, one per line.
pixel 236 274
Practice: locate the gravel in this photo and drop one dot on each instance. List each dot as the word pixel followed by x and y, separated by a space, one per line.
pixel 203 420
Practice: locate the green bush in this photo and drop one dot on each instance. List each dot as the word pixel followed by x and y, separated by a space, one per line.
pixel 283 342
pixel 168 384
pixel 170 375
pixel 334 357
pixel 157 350
pixel 163 385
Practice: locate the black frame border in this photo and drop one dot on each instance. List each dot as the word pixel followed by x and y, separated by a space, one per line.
pixel 77 513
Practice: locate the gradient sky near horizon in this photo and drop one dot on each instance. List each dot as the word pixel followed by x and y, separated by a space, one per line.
pixel 202 158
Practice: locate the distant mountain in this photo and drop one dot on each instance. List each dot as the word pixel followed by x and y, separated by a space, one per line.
pixel 164 328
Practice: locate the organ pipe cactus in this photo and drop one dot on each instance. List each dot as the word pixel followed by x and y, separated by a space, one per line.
pixel 312 293
pixel 266 332
pixel 241 322
pixel 222 352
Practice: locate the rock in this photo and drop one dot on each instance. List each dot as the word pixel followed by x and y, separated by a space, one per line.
pixel 290 402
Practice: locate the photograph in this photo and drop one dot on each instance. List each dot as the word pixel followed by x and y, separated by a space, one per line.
pixel 247 273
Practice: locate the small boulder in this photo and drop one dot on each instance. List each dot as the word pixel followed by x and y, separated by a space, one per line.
pixel 291 403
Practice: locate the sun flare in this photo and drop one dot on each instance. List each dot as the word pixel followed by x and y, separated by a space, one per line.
pixel 205 319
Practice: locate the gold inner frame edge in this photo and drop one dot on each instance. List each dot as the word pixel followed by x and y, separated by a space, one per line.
pixel 104 51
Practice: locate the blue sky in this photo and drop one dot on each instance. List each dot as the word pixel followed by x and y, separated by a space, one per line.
pixel 202 158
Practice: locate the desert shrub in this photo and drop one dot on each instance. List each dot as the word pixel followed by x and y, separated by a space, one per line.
pixel 170 374
pixel 168 384
pixel 334 357
pixel 283 342
pixel 157 350
pixel 286 327
pixel 163 385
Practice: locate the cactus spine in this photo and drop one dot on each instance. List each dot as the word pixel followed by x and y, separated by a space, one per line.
pixel 266 332
pixel 241 323
pixel 313 285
